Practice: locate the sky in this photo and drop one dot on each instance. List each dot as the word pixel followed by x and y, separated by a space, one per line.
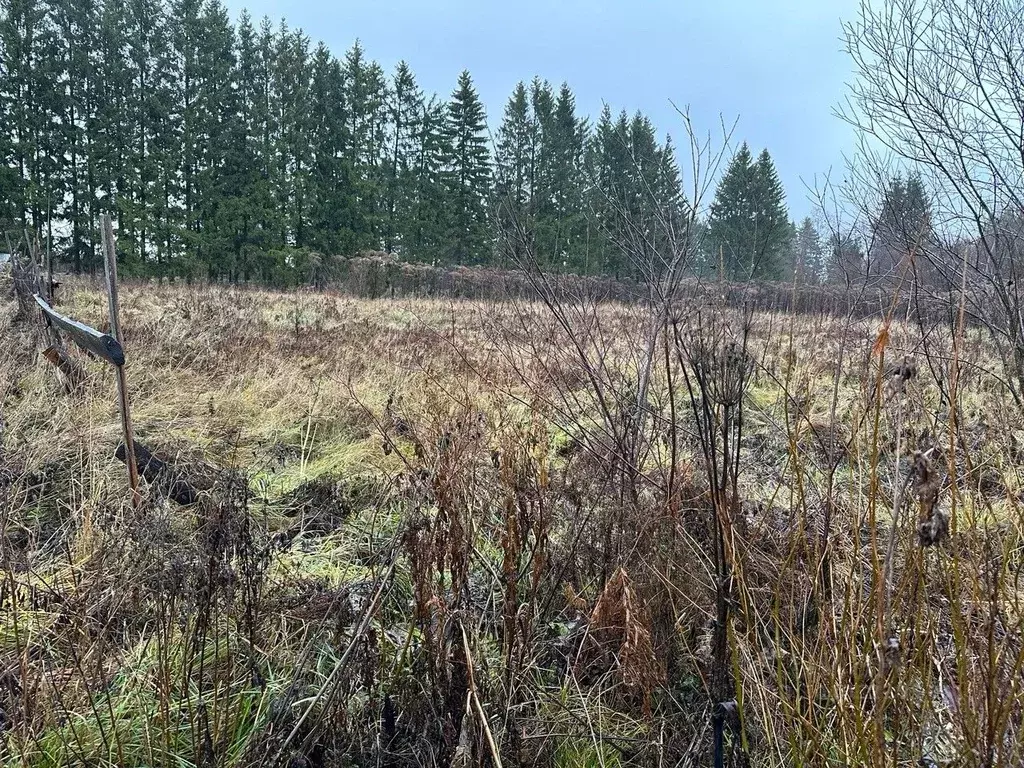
pixel 775 68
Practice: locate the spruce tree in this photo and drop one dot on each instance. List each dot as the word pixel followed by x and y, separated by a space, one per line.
pixel 901 228
pixel 149 104
pixel 111 131
pixel 808 256
pixel 292 80
pixel 427 233
pixel 222 174
pixel 243 217
pixel 405 106
pixel 30 42
pixel 10 193
pixel 641 206
pixel 366 99
pixel 513 171
pixel 845 260
pixel 562 228
pixel 205 138
pixel 653 200
pixel 609 166
pixel 186 38
pixel 773 232
pixel 634 190
pixel 337 214
pixel 730 223
pixel 541 212
pixel 267 130
pixel 748 227
pixel 78 25
pixel 468 175
pixel 668 187
pixel 10 188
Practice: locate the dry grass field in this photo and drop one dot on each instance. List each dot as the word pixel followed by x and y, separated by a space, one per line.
pixel 467 533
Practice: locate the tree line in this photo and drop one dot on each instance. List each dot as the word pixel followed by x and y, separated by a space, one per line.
pixel 243 151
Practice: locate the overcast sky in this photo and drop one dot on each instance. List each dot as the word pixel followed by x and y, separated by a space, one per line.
pixel 773 65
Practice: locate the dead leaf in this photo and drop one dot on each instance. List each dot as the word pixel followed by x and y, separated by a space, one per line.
pixel 882 341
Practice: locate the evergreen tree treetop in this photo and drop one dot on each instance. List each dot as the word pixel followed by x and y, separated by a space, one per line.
pixel 748 226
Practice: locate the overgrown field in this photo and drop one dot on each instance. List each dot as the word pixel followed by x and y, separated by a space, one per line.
pixel 436 533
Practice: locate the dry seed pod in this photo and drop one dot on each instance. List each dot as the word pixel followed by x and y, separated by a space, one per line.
pixel 899 374
pixel 934 529
pixel 934 523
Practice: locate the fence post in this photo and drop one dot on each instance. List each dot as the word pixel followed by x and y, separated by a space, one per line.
pixel 110 263
pixel 49 273
pixel 49 254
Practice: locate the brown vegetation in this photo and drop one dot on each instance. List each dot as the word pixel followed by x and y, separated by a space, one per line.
pixel 472 533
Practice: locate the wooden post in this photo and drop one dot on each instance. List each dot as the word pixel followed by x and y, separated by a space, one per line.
pixel 49 256
pixel 110 262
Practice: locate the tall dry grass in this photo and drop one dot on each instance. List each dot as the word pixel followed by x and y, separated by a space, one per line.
pixel 470 533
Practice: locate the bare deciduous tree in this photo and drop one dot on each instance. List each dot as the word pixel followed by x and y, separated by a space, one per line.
pixel 940 85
